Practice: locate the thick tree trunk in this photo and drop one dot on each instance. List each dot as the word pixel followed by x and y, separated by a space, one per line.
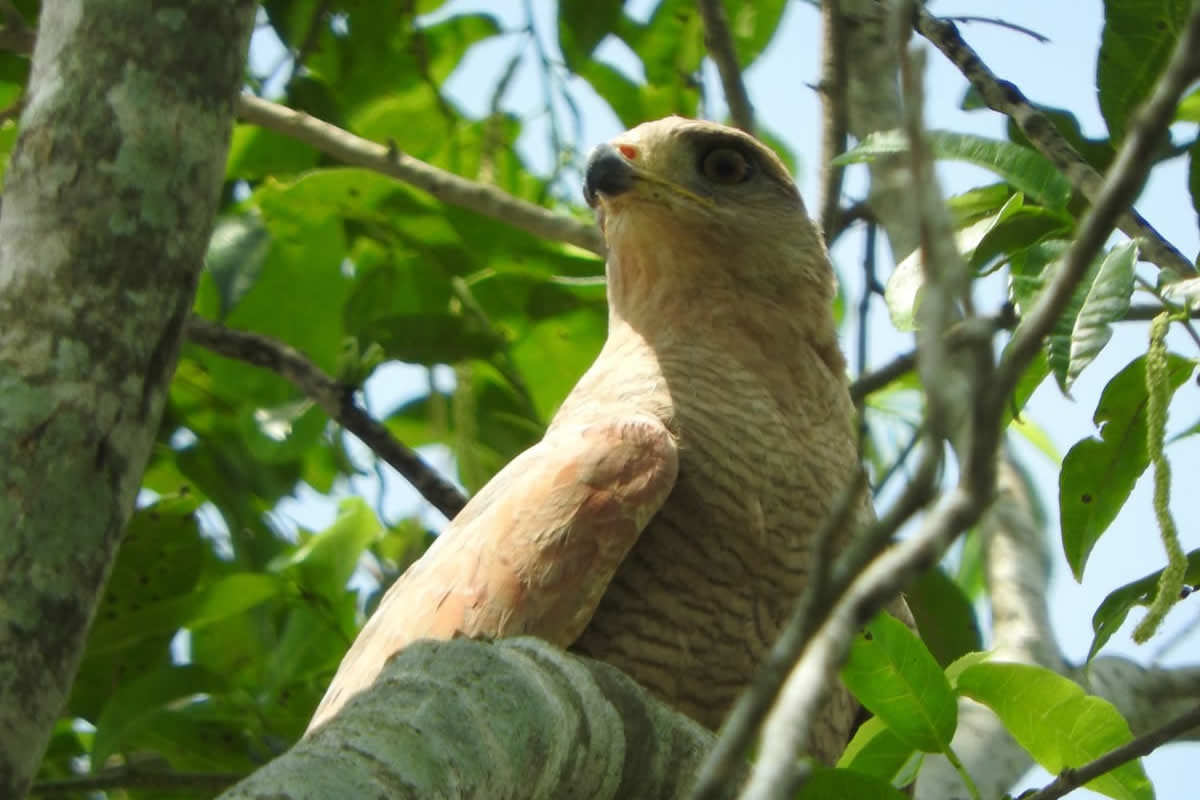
pixel 108 204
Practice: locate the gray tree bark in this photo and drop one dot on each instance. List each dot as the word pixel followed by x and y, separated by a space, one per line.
pixel 109 200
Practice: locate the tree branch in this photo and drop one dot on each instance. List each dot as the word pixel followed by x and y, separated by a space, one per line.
pixel 445 186
pixel 514 718
pixel 336 399
pixel 1005 97
pixel 720 48
pixel 1071 779
pixel 836 122
pixel 1119 188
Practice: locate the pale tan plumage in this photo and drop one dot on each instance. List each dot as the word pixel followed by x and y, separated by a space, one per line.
pixel 716 422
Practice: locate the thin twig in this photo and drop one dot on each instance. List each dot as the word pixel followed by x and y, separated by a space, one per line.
pixel 1001 23
pixel 835 82
pixel 1005 97
pixel 445 186
pixel 1071 779
pixel 720 49
pixel 895 369
pixel 1124 179
pixel 336 399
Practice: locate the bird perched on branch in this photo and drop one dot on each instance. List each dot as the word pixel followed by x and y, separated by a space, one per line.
pixel 665 523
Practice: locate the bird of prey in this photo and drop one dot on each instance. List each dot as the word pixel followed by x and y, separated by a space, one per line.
pixel 665 523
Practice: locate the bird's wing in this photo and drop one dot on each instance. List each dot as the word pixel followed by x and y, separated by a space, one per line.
pixel 532 553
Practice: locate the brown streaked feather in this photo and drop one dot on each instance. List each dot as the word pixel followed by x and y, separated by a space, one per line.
pixel 532 553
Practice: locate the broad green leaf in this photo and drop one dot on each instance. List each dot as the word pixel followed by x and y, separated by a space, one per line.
pixel 1139 36
pixel 1027 170
pixel 982 201
pixel 896 678
pixel 1098 474
pixel 236 252
pixel 256 153
pixel 582 24
pixel 222 598
pixel 876 750
pixel 670 43
pixel 944 616
pixel 326 560
pixel 825 783
pixel 1107 301
pixel 1111 614
pixel 752 24
pixel 1189 108
pixel 1059 725
pixel 133 704
pixel 160 560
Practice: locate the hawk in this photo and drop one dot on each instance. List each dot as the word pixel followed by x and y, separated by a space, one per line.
pixel 665 522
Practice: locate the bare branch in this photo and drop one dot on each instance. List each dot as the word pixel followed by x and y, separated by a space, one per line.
pixel 1121 185
pixel 836 123
pixel 720 48
pixel 1071 779
pixel 445 186
pixel 336 399
pixel 1003 96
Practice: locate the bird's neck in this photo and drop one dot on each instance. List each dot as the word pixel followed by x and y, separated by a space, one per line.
pixel 659 300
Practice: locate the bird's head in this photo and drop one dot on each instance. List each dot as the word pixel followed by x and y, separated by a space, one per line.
pixel 703 210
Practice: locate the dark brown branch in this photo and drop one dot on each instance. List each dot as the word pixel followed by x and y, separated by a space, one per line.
pixel 1071 779
pixel 877 379
pixel 1005 97
pixel 336 399
pixel 720 48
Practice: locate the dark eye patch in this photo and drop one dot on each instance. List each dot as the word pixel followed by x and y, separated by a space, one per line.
pixel 726 165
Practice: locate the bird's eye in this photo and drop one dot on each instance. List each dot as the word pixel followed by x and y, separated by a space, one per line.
pixel 726 165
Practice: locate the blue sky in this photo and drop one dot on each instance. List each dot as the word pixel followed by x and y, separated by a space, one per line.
pixel 1060 73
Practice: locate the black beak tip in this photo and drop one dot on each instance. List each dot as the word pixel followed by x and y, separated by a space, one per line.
pixel 607 173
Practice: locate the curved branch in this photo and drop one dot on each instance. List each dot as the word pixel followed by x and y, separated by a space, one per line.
pixel 336 399
pixel 445 186
pixel 1007 99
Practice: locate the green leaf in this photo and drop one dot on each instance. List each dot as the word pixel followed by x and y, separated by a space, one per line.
pixel 896 678
pixel 326 560
pixel 1107 301
pixel 944 616
pixel 824 783
pixel 582 24
pixel 255 153
pixel 1111 614
pixel 236 252
pixel 133 704
pixel 876 750
pixel 1139 36
pixel 1098 474
pixel 222 598
pixel 1027 170
pixel 1189 108
pixel 752 24
pixel 1059 725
